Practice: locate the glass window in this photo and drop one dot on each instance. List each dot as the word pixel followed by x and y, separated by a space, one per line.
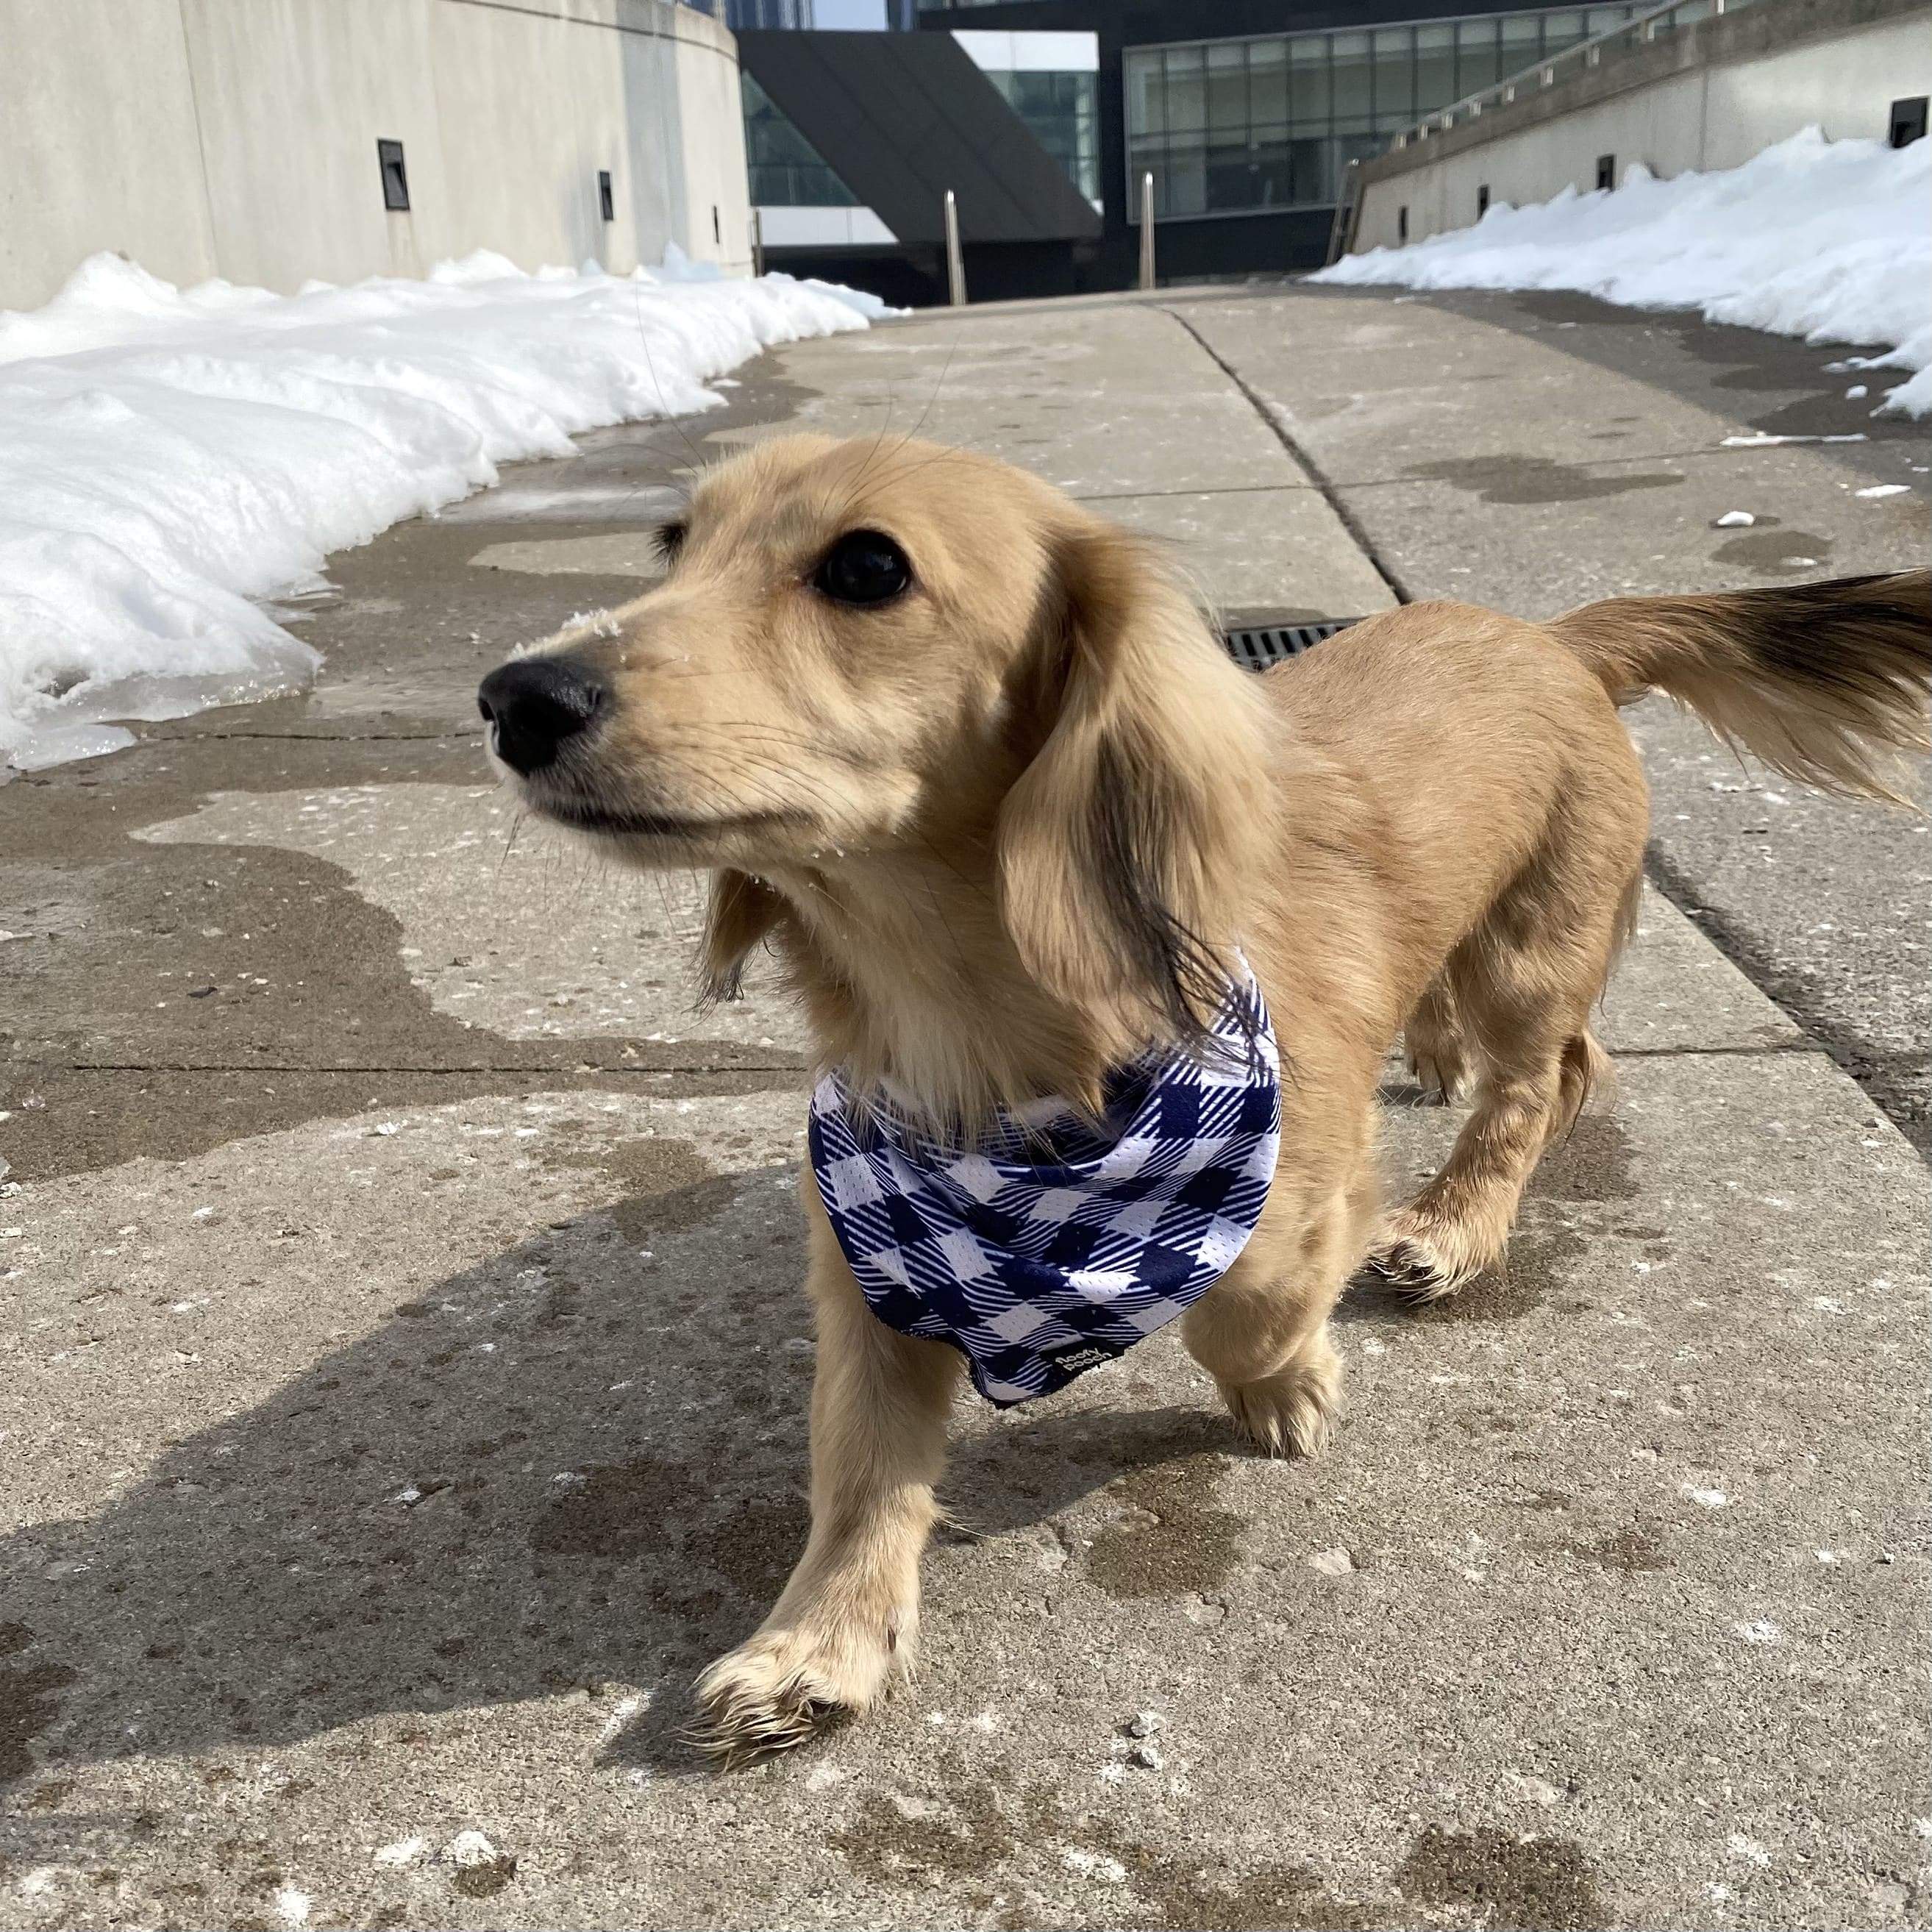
pixel 1395 76
pixel 1308 78
pixel 1186 93
pixel 1270 120
pixel 1228 181
pixel 1522 42
pixel 1435 68
pixel 1146 96
pixel 1267 85
pixel 1062 111
pixel 786 170
pixel 1227 88
pixel 1478 65
pixel 1350 52
pixel 1561 31
pixel 1183 183
pixel 1271 173
pixel 1312 165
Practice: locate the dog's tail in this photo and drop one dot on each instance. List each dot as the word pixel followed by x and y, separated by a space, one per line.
pixel 1827 682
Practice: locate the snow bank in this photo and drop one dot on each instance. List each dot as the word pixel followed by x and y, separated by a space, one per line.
pixel 1828 240
pixel 169 457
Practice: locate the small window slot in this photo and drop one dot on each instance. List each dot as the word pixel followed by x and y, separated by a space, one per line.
pixel 395 175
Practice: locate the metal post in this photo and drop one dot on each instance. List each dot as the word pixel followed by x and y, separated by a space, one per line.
pixel 1147 230
pixel 956 262
pixel 758 244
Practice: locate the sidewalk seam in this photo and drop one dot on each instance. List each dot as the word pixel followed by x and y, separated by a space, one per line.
pixel 1314 471
pixel 1769 1049
pixel 359 1067
pixel 1825 1032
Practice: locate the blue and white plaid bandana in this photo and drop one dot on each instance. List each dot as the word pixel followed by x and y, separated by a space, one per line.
pixel 1051 1248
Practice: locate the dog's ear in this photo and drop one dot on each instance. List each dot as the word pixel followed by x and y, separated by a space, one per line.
pixel 1125 844
pixel 741 912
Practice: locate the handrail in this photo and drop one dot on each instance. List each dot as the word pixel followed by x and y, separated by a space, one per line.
pixel 1341 226
pixel 1585 54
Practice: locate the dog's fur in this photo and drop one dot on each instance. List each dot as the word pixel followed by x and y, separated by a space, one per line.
pixel 1006 831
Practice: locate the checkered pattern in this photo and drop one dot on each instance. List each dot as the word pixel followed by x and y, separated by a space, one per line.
pixel 1051 1248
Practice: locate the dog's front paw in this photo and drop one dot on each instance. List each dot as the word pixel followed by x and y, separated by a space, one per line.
pixel 1293 1411
pixel 772 1692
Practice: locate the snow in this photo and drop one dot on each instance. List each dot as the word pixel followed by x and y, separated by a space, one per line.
pixel 1828 240
pixel 1735 520
pixel 176 464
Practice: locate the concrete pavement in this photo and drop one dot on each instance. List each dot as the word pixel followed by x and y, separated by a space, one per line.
pixel 406 1359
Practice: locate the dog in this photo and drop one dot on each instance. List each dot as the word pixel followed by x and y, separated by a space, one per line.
pixel 969 762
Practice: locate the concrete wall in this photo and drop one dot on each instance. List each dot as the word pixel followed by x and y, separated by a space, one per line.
pixel 1725 91
pixel 98 141
pixel 238 137
pixel 716 188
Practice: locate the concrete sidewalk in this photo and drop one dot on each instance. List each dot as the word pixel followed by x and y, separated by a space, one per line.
pixel 407 1359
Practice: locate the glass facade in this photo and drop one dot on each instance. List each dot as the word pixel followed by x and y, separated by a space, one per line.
pixel 1245 126
pixel 787 171
pixel 1062 112
pixel 756 13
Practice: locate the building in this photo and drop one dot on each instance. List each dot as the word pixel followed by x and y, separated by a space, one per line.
pixel 1693 90
pixel 853 141
pixel 1248 131
pixel 272 144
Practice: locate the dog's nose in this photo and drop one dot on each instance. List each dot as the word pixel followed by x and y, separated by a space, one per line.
pixel 535 704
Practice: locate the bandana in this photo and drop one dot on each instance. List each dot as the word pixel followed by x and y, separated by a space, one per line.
pixel 1054 1245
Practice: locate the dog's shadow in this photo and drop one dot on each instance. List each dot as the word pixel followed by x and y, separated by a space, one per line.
pixel 564 1468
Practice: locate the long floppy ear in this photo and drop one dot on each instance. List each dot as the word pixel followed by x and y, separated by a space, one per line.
pixel 1125 845
pixel 743 911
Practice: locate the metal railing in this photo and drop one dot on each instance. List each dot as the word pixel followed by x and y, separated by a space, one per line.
pixel 1632 36
pixel 1347 206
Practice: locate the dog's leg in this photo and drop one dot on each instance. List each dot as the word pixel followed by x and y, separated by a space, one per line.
pixel 1262 1330
pixel 1525 983
pixel 1437 1055
pixel 848 1620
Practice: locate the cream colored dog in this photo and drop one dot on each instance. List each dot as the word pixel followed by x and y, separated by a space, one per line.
pixel 972 764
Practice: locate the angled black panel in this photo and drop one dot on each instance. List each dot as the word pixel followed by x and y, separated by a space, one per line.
pixel 902 118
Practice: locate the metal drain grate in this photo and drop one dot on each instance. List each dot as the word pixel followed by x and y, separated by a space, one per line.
pixel 1256 646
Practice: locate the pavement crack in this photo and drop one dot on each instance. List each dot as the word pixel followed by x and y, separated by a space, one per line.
pixel 467 1072
pixel 1225 490
pixel 1765 1049
pixel 322 737
pixel 1875 1068
pixel 1306 463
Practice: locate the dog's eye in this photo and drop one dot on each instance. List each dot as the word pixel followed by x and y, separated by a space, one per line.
pixel 863 567
pixel 671 540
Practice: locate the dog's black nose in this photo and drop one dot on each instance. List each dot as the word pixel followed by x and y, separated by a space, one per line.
pixel 536 703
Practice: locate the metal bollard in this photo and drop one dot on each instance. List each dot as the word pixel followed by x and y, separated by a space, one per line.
pixel 1147 230
pixel 758 244
pixel 956 262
